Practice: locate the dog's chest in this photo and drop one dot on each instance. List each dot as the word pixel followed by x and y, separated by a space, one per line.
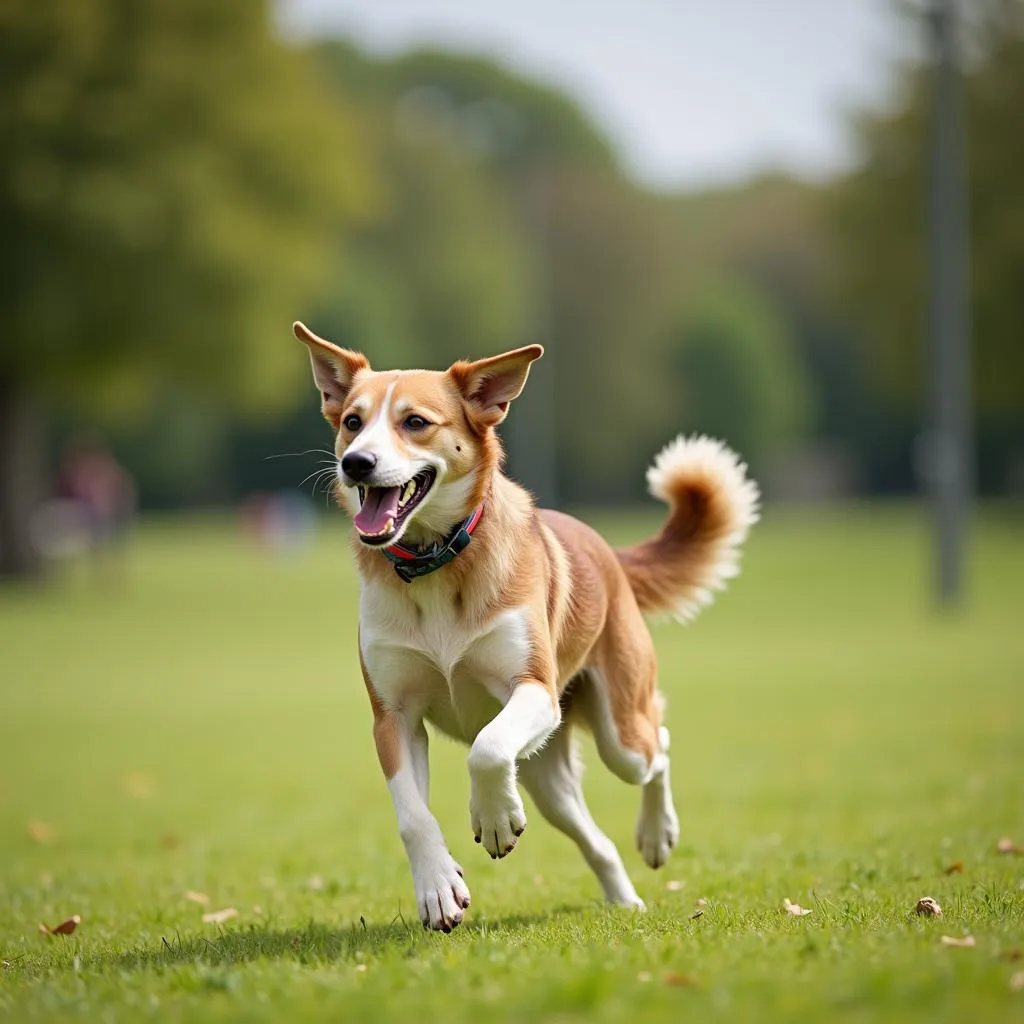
pixel 429 656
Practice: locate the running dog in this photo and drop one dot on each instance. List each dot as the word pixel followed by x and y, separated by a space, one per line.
pixel 504 625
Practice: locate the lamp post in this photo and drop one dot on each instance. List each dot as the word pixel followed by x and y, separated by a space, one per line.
pixel 950 462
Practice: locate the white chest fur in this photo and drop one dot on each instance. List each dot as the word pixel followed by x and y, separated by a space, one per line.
pixel 424 655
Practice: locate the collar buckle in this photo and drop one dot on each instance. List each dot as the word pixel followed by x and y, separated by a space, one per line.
pixel 410 564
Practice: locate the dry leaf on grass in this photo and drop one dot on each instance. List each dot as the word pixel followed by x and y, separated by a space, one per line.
pixel 64 928
pixel 40 832
pixel 193 896
pixel 674 885
pixel 315 883
pixel 956 868
pixel 220 916
pixel 928 907
pixel 1017 981
pixel 644 977
pixel 1007 845
pixel 966 942
pixel 677 980
pixel 794 909
pixel 1011 954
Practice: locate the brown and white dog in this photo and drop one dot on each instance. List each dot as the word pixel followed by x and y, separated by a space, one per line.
pixel 503 625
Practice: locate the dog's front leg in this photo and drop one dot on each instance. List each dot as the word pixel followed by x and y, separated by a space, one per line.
pixel 441 892
pixel 521 727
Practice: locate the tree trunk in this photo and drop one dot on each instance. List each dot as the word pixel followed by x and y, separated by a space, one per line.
pixel 21 473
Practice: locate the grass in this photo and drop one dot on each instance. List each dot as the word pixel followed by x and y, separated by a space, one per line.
pixel 203 727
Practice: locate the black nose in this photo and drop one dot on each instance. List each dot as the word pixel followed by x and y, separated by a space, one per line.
pixel 358 465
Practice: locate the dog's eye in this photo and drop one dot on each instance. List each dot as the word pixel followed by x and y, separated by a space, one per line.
pixel 353 423
pixel 415 422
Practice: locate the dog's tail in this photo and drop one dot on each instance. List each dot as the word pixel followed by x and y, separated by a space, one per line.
pixel 713 504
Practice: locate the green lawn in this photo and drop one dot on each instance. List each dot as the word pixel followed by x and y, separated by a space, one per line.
pixel 204 727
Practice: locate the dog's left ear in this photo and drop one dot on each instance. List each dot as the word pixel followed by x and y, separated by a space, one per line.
pixel 489 385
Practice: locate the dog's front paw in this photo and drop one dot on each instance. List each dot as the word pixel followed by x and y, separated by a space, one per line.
pixel 441 892
pixel 496 814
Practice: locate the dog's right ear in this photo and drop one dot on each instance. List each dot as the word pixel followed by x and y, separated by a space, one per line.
pixel 334 369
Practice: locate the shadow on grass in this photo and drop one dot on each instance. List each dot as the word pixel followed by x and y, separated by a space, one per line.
pixel 313 944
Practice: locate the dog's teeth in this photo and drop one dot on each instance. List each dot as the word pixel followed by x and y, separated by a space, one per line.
pixel 410 490
pixel 388 526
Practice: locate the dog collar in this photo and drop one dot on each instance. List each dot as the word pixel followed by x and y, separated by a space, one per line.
pixel 410 563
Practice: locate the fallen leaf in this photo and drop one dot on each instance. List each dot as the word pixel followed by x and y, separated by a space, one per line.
pixel 928 907
pixel 644 976
pixel 198 897
pixel 677 980
pixel 967 942
pixel 674 885
pixel 139 785
pixel 696 914
pixel 1007 845
pixel 1017 981
pixel 956 868
pixel 794 909
pixel 315 883
pixel 64 928
pixel 220 916
pixel 40 832
pixel 1011 954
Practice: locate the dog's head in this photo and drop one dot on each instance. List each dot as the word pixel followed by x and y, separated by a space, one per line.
pixel 415 448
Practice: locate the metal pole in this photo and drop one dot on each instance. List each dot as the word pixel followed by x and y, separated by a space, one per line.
pixel 951 469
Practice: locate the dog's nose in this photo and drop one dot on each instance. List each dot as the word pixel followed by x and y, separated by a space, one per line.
pixel 358 465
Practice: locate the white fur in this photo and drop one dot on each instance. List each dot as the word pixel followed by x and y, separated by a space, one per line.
pixel 441 893
pixel 704 457
pixel 522 726
pixel 552 778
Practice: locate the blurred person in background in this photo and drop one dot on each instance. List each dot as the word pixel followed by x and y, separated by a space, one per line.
pixel 99 498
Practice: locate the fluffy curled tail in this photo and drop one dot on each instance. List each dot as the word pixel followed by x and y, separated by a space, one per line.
pixel 712 505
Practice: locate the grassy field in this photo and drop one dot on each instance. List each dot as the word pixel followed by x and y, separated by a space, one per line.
pixel 203 727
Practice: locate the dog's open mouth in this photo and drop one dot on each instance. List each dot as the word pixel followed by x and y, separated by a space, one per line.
pixel 384 509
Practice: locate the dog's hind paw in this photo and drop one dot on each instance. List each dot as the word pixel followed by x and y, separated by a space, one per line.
pixel 656 835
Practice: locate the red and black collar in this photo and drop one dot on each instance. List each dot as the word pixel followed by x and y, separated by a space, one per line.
pixel 410 562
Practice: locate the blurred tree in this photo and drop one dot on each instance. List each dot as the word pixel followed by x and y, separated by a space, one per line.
pixel 173 189
pixel 739 375
pixel 880 230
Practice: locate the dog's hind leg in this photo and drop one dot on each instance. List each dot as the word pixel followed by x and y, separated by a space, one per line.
pixel 622 705
pixel 552 778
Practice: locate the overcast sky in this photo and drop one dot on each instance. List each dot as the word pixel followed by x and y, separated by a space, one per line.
pixel 692 91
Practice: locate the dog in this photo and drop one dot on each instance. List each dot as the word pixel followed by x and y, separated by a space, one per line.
pixel 503 625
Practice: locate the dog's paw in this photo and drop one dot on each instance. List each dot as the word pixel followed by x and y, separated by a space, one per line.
pixel 497 815
pixel 656 835
pixel 442 896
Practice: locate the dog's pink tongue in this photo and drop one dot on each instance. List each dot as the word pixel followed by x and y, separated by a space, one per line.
pixel 379 505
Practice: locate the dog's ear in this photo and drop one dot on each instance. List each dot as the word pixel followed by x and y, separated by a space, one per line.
pixel 333 371
pixel 489 385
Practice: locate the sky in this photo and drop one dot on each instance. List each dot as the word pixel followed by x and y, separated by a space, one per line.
pixel 693 92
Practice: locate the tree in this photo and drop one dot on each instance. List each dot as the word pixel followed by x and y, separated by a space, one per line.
pixel 738 374
pixel 174 185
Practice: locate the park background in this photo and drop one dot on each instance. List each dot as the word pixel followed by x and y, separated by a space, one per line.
pixel 715 220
